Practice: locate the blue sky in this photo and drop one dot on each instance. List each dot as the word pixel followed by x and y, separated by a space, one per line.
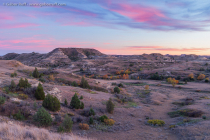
pixel 112 27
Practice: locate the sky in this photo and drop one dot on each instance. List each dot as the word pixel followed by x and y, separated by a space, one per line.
pixel 123 27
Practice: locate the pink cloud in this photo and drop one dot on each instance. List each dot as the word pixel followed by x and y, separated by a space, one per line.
pixel 140 13
pixel 160 48
pixel 17 25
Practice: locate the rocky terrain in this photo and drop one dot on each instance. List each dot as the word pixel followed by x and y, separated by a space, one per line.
pixel 148 106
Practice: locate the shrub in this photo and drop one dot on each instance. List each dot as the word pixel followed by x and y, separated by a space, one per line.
pixel 120 85
pixel 24 83
pixel 109 121
pixel 75 102
pixel 35 105
pixel 84 126
pixel 67 124
pixel 15 74
pixel 61 129
pixel 65 102
pixel 84 83
pixel 116 90
pixel 91 112
pixel 51 102
pixel 74 84
pixel 207 80
pixel 204 117
pixel 156 122
pixel 81 69
pixel 19 116
pixel 82 105
pixel 156 76
pixel 35 73
pixel 39 94
pixel 91 120
pixel 2 100
pixel 42 117
pixel 114 84
pixel 12 85
pixel 81 97
pixel 110 106
pixel 186 112
pixel 146 87
pixel 201 77
pixel 23 96
pixel 172 81
pixel 191 76
pixel 12 75
pixel 102 118
pixel 41 79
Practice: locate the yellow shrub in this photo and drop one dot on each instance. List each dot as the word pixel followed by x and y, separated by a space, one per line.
pixel 23 96
pixel 109 121
pixel 84 126
pixel 156 122
pixel 51 77
pixel 146 87
pixel 191 75
pixel 172 81
pixel 201 77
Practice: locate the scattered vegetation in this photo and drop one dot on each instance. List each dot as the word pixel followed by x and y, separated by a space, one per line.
pixel 186 112
pixel 67 124
pixel 51 102
pixel 156 122
pixel 201 77
pixel 110 106
pixel 109 122
pixel 24 83
pixel 35 73
pixel 75 102
pixel 84 126
pixel 84 83
pixel 39 94
pixel 172 81
pixel 23 96
pixel 102 118
pixel 2 100
pixel 116 90
pixel 42 117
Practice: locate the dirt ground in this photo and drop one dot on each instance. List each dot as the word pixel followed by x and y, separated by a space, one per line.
pixel 131 117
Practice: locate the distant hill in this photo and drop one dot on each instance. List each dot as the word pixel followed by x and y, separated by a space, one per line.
pixel 57 57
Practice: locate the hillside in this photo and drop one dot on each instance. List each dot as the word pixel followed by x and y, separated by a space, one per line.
pixel 57 57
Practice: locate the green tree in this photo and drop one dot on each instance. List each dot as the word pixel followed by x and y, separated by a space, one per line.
pixel 65 102
pixel 74 84
pixel 84 83
pixel 51 102
pixel 116 90
pixel 110 106
pixel 75 102
pixel 21 83
pixel 91 120
pixel 36 73
pixel 39 94
pixel 67 123
pixel 12 85
pixel 82 105
pixel 27 84
pixel 91 112
pixel 42 117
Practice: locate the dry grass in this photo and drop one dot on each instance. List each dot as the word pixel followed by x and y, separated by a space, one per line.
pixel 17 132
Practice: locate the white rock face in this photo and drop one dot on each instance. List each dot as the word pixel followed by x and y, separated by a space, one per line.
pixel 55 91
pixel 15 100
pixel 36 84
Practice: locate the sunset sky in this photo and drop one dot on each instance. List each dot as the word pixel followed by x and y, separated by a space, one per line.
pixel 110 26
